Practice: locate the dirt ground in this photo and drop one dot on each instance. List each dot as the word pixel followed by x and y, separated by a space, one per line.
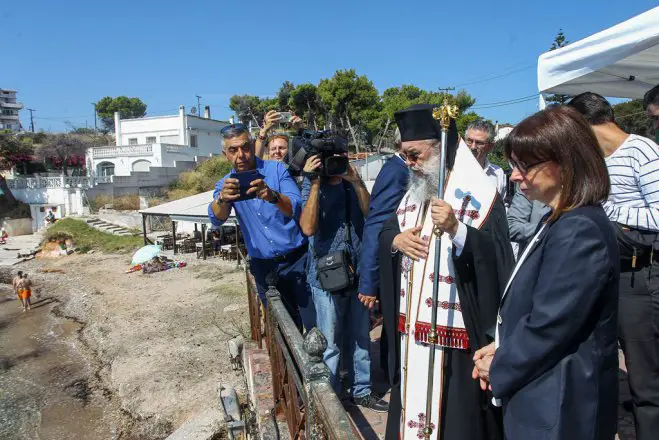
pixel 109 355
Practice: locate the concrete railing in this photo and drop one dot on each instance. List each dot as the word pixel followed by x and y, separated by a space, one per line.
pixel 55 182
pixel 123 151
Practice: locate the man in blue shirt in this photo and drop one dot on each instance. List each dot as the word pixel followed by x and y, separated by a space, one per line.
pixel 268 222
pixel 331 204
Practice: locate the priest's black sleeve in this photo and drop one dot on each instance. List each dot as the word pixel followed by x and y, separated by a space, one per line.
pixel 482 272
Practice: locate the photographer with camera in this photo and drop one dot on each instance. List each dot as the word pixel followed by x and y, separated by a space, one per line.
pixel 276 145
pixel 267 203
pixel 335 205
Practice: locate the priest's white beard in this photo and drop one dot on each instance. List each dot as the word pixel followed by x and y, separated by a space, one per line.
pixel 424 180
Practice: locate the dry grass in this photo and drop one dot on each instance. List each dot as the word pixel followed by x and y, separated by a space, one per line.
pixel 127 202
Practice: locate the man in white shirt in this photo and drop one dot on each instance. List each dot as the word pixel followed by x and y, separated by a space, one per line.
pixel 633 207
pixel 479 137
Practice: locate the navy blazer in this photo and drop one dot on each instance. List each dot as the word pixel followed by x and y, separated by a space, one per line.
pixel 556 368
pixel 389 188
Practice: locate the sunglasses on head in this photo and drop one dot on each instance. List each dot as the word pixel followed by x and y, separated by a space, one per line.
pixel 232 127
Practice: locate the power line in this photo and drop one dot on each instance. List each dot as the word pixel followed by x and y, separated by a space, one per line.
pixel 496 76
pixel 631 114
pixel 507 102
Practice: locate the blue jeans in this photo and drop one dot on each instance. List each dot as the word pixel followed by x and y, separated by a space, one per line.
pixel 334 314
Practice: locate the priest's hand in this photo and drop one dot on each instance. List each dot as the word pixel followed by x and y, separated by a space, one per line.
pixel 443 217
pixel 409 243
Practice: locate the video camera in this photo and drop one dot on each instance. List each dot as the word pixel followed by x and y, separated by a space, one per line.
pixel 329 145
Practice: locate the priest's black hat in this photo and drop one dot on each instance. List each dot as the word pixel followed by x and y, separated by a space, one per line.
pixel 417 124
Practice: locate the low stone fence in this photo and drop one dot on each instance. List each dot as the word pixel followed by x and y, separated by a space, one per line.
pixel 18 226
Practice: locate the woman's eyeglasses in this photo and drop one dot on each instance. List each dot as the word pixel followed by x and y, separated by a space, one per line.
pixel 523 167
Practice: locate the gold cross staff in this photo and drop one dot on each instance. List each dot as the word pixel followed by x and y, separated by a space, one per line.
pixel 444 113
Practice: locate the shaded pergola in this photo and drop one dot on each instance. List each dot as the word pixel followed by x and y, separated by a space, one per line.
pixel 619 62
pixel 193 209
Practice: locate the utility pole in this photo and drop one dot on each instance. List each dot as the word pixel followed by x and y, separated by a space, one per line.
pixel 31 119
pixel 445 89
pixel 198 105
pixel 95 127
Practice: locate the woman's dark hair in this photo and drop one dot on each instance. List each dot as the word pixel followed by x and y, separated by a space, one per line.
pixel 651 97
pixel 562 135
pixel 595 108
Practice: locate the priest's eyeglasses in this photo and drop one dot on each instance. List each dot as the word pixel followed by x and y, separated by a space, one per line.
pixel 523 167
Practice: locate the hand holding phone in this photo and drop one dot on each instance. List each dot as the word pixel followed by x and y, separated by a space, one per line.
pixel 285 117
pixel 244 180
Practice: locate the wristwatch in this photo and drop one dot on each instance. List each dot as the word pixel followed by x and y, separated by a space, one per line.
pixel 276 197
pixel 261 137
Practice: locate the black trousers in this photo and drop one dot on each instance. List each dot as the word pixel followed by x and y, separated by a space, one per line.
pixel 638 321
pixel 291 283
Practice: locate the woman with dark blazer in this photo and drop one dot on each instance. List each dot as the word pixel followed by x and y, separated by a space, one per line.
pixel 554 364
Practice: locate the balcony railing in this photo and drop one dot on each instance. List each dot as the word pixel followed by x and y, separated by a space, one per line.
pixel 56 182
pixel 123 151
pixel 18 105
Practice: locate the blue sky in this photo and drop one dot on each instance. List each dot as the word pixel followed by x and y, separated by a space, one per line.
pixel 63 55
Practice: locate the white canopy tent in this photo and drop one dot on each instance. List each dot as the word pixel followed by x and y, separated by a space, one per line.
pixel 621 62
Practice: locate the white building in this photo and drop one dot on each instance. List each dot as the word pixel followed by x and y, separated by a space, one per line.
pixel 143 144
pixel 503 130
pixel 9 109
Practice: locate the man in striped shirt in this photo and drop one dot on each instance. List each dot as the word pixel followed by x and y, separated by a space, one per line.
pixel 633 164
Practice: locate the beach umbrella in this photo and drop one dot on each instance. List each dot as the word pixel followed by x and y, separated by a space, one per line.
pixel 146 253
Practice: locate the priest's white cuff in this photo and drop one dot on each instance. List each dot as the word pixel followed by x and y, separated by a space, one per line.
pixel 460 238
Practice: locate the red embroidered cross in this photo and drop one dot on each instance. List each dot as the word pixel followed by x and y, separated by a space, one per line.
pixel 445 305
pixel 471 213
pixel 442 279
pixel 402 293
pixel 410 208
pixel 420 425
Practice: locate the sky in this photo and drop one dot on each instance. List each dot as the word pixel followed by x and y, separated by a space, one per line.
pixel 64 55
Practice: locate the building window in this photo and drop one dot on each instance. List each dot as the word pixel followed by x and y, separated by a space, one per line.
pixel 193 140
pixel 132 141
pixel 150 139
pixel 106 169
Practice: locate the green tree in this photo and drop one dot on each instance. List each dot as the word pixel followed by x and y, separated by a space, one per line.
pixel 127 108
pixel 304 100
pixel 284 95
pixel 559 41
pixel 352 103
pixel 632 117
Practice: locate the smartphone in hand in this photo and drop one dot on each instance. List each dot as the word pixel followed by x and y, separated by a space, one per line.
pixel 285 117
pixel 245 178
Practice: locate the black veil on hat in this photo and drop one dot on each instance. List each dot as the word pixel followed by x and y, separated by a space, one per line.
pixel 416 123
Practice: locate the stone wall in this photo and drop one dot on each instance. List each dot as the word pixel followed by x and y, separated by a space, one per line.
pixel 19 226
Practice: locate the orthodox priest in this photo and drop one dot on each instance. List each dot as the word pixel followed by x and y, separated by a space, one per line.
pixel 475 262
